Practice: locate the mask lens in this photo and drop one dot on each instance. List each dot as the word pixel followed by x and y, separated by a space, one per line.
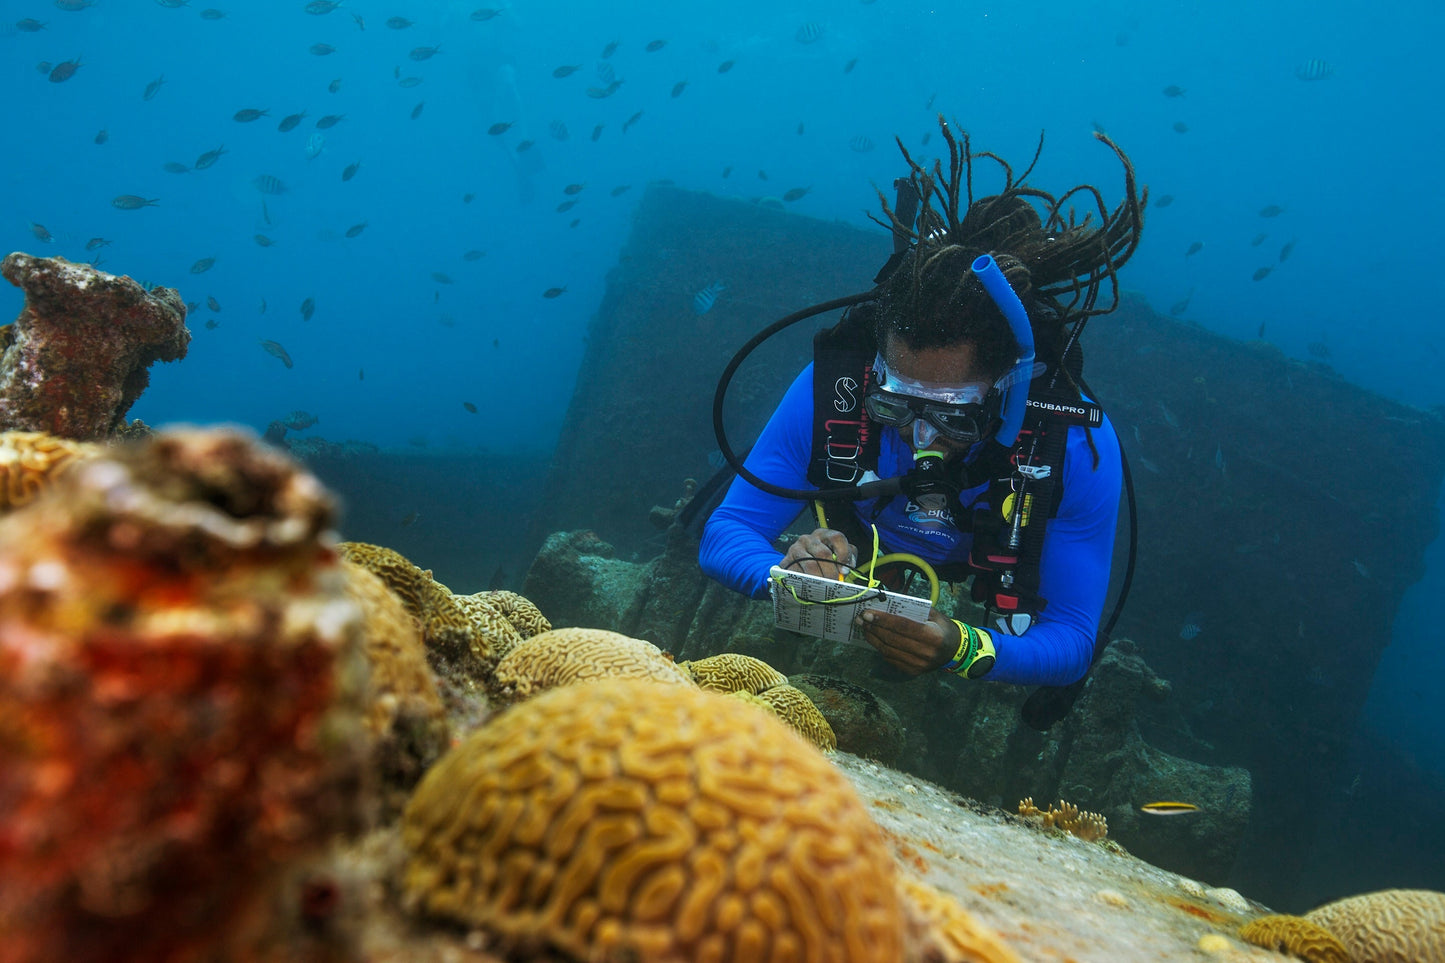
pixel 887 409
pixel 955 425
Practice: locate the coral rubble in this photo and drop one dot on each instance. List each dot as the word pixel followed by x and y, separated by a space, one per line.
pixel 181 698
pixel 76 358
pixel 627 819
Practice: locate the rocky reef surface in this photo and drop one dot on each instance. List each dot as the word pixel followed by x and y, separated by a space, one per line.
pixel 227 736
pixel 78 355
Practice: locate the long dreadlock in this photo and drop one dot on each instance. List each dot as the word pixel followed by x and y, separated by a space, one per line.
pixel 1056 261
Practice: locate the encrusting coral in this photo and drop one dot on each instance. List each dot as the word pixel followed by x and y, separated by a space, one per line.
pixel 949 933
pixel 566 656
pixel 625 819
pixel 1300 938
pixel 1090 827
pixel 76 358
pixel 404 711
pixel 1388 926
pixel 31 461
pixel 181 689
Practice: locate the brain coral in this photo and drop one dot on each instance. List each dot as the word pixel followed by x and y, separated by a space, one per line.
pixel 624 819
pixel 404 713
pixel 501 636
pixel 1296 936
pixel 181 687
pixel 448 633
pixel 31 461
pixel 734 672
pixel 798 711
pixel 566 656
pixel 1389 926
pixel 519 610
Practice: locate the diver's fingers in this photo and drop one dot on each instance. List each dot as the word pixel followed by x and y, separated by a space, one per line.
pixel 904 642
pixel 813 553
pixel 838 545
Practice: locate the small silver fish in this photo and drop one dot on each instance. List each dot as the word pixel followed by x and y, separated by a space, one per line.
pixel 703 300
pixel 810 32
pixel 315 144
pixel 299 420
pixel 274 349
pixel 267 184
pixel 41 234
pixel 154 87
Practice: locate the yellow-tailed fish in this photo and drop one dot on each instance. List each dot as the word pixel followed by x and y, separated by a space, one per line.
pixel 1166 808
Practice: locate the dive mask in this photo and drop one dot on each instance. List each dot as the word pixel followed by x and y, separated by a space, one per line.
pixel 961 413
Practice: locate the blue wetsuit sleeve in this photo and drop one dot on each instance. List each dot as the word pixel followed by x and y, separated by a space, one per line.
pixel 1074 574
pixel 737 542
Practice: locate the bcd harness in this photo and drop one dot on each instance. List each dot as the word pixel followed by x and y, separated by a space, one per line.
pixel 1007 531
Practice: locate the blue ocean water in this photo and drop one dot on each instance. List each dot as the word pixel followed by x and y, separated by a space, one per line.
pixel 1306 123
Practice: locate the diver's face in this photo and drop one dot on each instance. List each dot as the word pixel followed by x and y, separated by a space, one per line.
pixel 953 365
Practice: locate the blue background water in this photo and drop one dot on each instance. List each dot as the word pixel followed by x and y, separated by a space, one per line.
pixel 1351 158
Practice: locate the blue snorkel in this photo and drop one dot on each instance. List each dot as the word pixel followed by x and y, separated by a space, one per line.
pixel 1014 385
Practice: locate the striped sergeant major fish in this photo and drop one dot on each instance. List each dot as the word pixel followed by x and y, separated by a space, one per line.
pixel 1315 69
pixel 703 300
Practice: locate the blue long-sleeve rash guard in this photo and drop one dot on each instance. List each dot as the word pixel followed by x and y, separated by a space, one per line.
pixel 737 544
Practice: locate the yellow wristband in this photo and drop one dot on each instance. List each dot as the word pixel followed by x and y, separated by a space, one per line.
pixel 975 655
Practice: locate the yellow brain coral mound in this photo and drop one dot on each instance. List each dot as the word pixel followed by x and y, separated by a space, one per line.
pixel 500 635
pixel 404 714
pixel 734 672
pixel 519 610
pixel 566 656
pixel 949 934
pixel 1296 936
pixel 798 711
pixel 1090 827
pixel 1389 926
pixel 624 819
pixel 31 461
pixel 447 631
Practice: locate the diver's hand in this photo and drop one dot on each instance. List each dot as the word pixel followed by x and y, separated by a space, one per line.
pixel 815 552
pixel 913 647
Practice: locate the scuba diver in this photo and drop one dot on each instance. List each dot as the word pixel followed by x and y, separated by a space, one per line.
pixel 943 422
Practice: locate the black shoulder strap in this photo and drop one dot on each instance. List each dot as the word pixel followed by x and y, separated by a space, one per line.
pixel 845 442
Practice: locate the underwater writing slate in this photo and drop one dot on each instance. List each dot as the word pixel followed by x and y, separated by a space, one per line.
pixel 796 597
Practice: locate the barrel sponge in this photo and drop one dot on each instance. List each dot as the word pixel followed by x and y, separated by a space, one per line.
pixel 623 819
pixel 1388 926
pixel 1297 936
pixel 566 656
pixel 30 461
pixel 798 711
pixel 949 933
pixel 734 672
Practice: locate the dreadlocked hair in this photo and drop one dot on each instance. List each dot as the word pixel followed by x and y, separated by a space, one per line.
pixel 1055 260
